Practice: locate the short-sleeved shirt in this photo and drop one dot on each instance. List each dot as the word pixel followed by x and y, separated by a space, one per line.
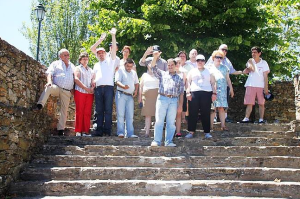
pixel 86 75
pixel 62 75
pixel 149 82
pixel 226 62
pixel 187 67
pixel 104 72
pixel 160 63
pixel 256 77
pixel 117 60
pixel 200 80
pixel 127 78
pixel 168 84
pixel 194 64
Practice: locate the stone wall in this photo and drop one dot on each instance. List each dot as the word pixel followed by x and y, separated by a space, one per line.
pixel 281 109
pixel 22 131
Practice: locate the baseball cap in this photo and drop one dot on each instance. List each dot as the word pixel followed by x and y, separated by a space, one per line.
pixel 110 44
pixel 156 48
pixel 200 57
pixel 101 48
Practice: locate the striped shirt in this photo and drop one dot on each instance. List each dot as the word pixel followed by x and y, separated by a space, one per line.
pixel 168 84
pixel 62 76
pixel 86 75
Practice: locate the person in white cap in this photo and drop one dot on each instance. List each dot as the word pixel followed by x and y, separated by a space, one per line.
pixel 104 85
pixel 201 91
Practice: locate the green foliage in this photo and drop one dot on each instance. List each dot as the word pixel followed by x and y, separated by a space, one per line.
pixel 175 25
pixel 64 26
pixel 182 25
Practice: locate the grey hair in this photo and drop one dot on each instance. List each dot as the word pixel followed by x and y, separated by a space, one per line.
pixel 62 51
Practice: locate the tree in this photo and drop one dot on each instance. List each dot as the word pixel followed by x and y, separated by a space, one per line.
pixel 283 19
pixel 64 26
pixel 182 25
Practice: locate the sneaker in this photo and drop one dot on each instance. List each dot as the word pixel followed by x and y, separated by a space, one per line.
pixel 78 134
pixel 86 135
pixel 227 120
pixel 153 143
pixel 207 136
pixel 171 144
pixel 178 135
pixel 261 121
pixel 189 135
pixel 245 120
pixel 121 135
pixel 133 136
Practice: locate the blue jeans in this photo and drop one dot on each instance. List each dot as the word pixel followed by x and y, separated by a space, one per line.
pixel 165 108
pixel 125 110
pixel 104 104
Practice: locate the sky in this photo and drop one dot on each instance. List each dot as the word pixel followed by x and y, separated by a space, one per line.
pixel 12 14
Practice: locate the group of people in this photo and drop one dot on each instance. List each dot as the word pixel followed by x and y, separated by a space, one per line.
pixel 176 91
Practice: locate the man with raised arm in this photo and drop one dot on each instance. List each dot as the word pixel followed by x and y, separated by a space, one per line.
pixel 169 100
pixel 160 62
pixel 104 85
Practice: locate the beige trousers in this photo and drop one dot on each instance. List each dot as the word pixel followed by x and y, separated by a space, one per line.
pixel 64 97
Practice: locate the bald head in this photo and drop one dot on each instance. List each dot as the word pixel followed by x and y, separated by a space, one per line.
pixel 224 48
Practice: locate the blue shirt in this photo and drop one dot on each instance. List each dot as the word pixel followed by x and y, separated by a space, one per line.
pixel 168 84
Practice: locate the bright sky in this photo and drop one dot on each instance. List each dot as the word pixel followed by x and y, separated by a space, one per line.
pixel 12 14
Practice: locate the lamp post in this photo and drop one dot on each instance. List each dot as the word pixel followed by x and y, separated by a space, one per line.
pixel 40 13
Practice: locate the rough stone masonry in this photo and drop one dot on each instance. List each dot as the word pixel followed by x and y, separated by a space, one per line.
pixel 21 130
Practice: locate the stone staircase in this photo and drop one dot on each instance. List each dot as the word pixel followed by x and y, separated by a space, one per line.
pixel 249 161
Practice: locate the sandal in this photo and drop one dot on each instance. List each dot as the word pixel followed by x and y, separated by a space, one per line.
pixel 178 135
pixel 224 128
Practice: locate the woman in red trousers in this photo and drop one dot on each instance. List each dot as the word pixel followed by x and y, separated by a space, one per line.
pixel 83 96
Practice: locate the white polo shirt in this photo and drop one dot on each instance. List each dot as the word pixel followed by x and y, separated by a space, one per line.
pixel 256 78
pixel 104 72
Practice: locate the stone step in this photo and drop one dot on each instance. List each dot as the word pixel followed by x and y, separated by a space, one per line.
pixel 235 127
pixel 215 141
pixel 108 150
pixel 155 173
pixel 145 197
pixel 165 162
pixel 157 188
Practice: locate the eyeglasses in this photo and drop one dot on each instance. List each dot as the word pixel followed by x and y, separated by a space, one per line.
pixel 200 60
pixel 224 50
pixel 218 57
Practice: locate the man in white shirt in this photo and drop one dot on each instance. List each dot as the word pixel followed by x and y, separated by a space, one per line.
pixel 60 82
pixel 192 61
pixel 256 84
pixel 104 85
pixel 128 84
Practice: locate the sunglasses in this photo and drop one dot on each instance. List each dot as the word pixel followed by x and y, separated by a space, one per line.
pixel 225 50
pixel 200 60
pixel 218 57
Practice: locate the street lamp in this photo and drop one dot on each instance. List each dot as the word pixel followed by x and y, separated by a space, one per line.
pixel 40 13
